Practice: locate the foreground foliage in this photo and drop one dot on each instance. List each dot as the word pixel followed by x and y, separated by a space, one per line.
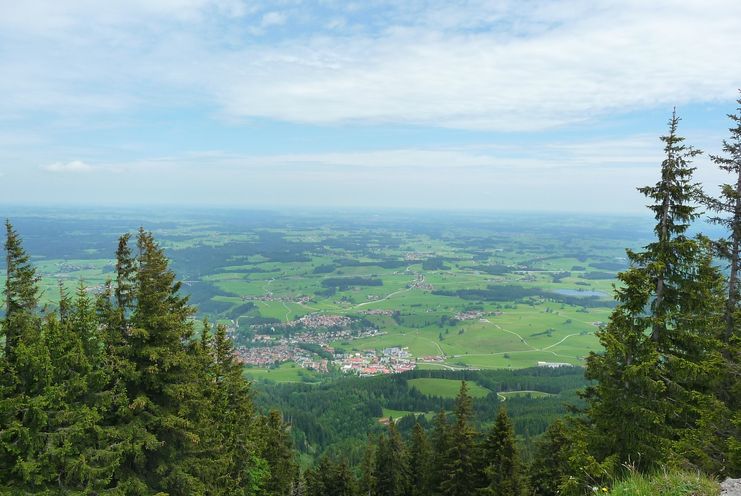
pixel 666 483
pixel 666 386
pixel 117 395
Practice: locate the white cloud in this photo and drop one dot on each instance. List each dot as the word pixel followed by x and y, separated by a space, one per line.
pixel 619 154
pixel 75 166
pixel 614 60
pixel 273 18
pixel 480 65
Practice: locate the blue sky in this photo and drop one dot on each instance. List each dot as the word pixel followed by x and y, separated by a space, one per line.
pixel 522 105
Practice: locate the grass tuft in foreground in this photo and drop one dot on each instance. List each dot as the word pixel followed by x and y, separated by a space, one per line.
pixel 667 483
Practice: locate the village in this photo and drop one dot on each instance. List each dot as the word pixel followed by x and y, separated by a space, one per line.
pixel 311 348
pixel 365 363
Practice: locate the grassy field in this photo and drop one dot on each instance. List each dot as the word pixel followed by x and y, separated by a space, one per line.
pixel 668 483
pixel 446 388
pixel 286 372
pixel 271 267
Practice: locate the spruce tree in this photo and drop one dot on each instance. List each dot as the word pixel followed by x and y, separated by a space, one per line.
pixel 564 463
pixel 26 371
pixel 21 290
pixel 503 472
pixel 125 275
pixel 550 464
pixel 727 208
pixel 238 431
pixel 78 448
pixel 441 446
pixel 459 476
pixel 420 459
pixel 279 455
pixel 156 424
pixel 392 471
pixel 368 468
pixel 660 348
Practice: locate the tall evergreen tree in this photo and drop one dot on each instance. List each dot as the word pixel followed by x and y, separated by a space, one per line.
pixel 368 468
pixel 727 208
pixel 550 464
pixel 156 424
pixel 460 468
pixel 125 274
pixel 279 455
pixel 25 372
pixel 420 460
pixel 21 290
pixel 330 479
pixel 660 346
pixel 124 401
pixel 441 449
pixel 503 471
pixel 78 448
pixel 392 472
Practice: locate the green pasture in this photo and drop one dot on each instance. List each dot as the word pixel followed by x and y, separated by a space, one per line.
pixel 286 372
pixel 446 388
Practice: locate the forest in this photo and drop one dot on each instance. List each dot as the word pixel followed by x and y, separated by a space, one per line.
pixel 122 391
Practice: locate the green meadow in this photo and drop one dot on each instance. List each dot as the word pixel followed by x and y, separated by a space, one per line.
pixel 446 388
pixel 528 289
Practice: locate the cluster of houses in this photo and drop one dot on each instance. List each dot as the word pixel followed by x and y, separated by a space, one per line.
pixel 302 300
pixel 417 256
pixel 265 356
pixel 319 321
pixel 266 350
pixel 554 365
pixel 268 356
pixel 377 311
pixel 371 362
pixel 366 363
pixel 474 315
pixel 469 315
pixel 420 282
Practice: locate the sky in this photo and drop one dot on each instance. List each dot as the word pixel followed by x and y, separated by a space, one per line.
pixel 496 105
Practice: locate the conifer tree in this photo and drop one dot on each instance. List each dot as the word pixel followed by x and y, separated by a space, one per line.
pixel 236 433
pixel 459 476
pixel 25 373
pixel 550 463
pixel 420 459
pixel 125 275
pixel 441 446
pixel 102 400
pixel 503 470
pixel 727 208
pixel 156 424
pixel 660 343
pixel 64 302
pixel 279 455
pixel 329 478
pixel 392 472
pixel 21 291
pixel 78 448
pixel 368 468
pixel 575 469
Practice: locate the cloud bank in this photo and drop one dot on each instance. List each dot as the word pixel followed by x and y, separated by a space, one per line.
pixel 504 66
